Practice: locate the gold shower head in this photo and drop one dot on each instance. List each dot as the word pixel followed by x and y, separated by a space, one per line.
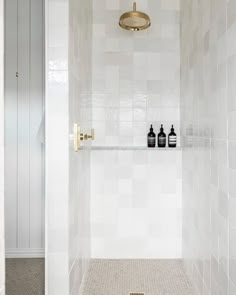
pixel 134 20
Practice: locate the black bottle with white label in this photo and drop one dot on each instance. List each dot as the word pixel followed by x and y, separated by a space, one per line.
pixel 172 138
pixel 162 138
pixel 151 138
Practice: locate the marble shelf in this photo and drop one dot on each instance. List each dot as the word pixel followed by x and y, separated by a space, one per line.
pixel 128 148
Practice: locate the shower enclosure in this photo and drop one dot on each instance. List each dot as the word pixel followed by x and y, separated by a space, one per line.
pixel 113 205
pixel 115 198
pixel 180 71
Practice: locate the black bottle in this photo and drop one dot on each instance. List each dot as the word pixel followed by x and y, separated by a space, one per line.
pixel 172 138
pixel 151 138
pixel 161 138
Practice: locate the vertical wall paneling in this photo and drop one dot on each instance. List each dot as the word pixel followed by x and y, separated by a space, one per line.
pixel 2 236
pixel 23 122
pixel 24 128
pixel 11 123
pixel 36 105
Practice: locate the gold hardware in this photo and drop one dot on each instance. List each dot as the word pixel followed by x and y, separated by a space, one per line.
pixel 87 136
pixel 78 137
pixel 134 20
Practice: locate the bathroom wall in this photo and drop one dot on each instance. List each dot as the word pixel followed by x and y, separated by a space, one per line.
pixel 135 197
pixel 24 128
pixel 208 120
pixel 68 101
pixel 57 148
pixel 2 242
pixel 136 204
pixel 135 74
pixel 80 83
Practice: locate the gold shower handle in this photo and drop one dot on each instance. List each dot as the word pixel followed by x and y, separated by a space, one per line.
pixel 87 136
pixel 78 136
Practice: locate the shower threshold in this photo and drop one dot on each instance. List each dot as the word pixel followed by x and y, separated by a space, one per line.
pixel 136 276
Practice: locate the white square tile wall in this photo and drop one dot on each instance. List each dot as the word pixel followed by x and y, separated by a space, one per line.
pixel 208 112
pixel 135 210
pixel 56 127
pixel 136 204
pixel 68 101
pixel 135 74
pixel 2 248
pixel 80 71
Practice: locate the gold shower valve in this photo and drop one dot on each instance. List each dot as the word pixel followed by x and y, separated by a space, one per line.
pixel 87 136
pixel 79 136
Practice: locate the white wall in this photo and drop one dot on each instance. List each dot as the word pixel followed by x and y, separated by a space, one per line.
pixel 136 195
pixel 2 241
pixel 135 74
pixel 136 202
pixel 24 128
pixel 80 72
pixel 57 148
pixel 208 115
pixel 68 88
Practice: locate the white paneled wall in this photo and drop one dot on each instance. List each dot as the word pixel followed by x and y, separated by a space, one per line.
pixel 24 128
pixel 2 241
pixel 208 118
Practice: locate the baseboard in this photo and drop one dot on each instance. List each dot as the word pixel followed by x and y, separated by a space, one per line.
pixel 25 253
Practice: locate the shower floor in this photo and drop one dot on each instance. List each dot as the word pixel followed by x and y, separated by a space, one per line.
pixel 122 277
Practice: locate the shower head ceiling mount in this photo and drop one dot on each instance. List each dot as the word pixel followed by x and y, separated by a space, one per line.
pixel 134 20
